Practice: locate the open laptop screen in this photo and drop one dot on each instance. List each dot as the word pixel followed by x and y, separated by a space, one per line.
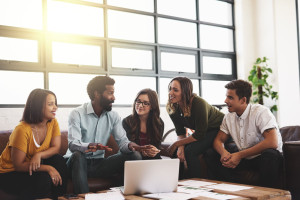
pixel 151 176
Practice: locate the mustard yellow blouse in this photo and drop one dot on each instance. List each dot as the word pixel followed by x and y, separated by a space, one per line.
pixel 22 139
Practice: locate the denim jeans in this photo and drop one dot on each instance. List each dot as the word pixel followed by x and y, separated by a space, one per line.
pixel 82 168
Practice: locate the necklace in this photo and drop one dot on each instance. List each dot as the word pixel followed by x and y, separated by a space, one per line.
pixel 37 134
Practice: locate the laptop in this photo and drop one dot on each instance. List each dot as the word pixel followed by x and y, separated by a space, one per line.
pixel 150 176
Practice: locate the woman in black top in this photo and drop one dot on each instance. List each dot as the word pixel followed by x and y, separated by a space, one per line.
pixel 187 110
pixel 144 126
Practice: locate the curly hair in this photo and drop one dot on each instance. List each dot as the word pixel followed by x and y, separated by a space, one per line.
pixel 242 88
pixel 154 123
pixel 186 86
pixel 34 107
pixel 98 84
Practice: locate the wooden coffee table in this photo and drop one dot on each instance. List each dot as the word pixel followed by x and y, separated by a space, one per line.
pixel 254 193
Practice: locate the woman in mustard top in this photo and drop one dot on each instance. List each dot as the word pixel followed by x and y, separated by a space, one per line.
pixel 30 166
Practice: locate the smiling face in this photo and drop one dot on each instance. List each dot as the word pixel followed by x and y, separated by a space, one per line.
pixel 175 94
pixel 50 107
pixel 142 105
pixel 234 103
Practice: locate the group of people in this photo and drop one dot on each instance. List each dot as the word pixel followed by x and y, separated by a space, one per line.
pixel 31 167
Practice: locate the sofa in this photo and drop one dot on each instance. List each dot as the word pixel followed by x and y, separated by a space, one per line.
pixel 290 173
pixel 95 184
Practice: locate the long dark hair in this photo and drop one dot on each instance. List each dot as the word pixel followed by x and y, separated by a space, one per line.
pixel 186 86
pixel 154 123
pixel 34 108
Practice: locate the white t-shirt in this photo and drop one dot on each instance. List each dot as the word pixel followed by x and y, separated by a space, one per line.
pixel 246 130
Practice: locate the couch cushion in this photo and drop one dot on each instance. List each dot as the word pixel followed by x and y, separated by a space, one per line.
pixel 4 136
pixel 290 133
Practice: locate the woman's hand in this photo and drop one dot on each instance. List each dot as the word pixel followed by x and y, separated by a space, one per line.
pixel 180 153
pixel 35 163
pixel 55 176
pixel 151 152
pixel 171 149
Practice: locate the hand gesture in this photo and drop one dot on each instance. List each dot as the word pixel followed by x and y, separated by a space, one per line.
pixel 134 147
pixel 225 156
pixel 35 163
pixel 180 153
pixel 171 149
pixel 93 147
pixel 151 152
pixel 233 161
pixel 55 176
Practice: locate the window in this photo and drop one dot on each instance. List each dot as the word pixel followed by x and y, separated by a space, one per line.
pixel 60 45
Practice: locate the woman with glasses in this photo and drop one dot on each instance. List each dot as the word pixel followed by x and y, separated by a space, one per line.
pixel 144 126
pixel 30 166
pixel 187 110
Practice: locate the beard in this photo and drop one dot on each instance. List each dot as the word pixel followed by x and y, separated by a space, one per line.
pixel 105 103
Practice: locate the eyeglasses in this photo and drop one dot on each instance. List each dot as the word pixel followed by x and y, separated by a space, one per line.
pixel 144 104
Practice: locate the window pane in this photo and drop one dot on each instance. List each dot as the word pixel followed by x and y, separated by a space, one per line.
pixel 216 38
pixel 218 94
pixel 127 87
pixel 178 8
pixel 177 33
pixel 164 90
pixel 76 54
pixel 131 58
pixel 178 62
pixel 129 26
pixel 18 49
pixel 77 19
pixel 143 5
pixel 20 13
pixel 70 88
pixel 13 93
pixel 215 11
pixel 215 65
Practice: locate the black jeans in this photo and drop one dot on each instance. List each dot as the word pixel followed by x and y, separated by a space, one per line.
pixel 39 184
pixel 267 165
pixel 193 150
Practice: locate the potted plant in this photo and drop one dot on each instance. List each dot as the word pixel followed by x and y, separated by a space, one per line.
pixel 261 88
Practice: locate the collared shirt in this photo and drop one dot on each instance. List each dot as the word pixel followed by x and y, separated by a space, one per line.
pixel 247 130
pixel 85 127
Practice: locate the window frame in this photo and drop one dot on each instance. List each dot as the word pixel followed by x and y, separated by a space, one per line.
pixel 46 37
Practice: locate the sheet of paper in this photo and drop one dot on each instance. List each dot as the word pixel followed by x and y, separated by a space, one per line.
pixel 228 187
pixel 218 196
pixel 106 196
pixel 170 196
pixel 195 183
pixel 192 189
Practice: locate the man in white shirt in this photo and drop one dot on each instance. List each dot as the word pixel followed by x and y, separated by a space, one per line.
pixel 255 132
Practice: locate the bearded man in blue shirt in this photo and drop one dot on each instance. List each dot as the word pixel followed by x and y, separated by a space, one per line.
pixel 89 128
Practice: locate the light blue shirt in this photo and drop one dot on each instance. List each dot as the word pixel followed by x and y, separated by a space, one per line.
pixel 85 127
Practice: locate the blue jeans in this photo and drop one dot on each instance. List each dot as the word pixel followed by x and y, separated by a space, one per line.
pixel 82 168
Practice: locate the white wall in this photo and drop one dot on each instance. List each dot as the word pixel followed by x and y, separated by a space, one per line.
pixel 268 28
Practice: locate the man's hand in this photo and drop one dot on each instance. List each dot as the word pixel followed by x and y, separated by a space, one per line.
pixel 233 161
pixel 93 147
pixel 225 156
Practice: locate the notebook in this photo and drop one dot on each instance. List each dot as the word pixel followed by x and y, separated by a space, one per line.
pixel 150 176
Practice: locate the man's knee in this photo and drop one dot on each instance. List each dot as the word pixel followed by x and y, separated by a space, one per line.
pixel 271 154
pixel 77 157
